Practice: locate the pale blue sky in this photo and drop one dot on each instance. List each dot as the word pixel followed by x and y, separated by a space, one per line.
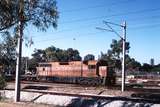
pixel 79 18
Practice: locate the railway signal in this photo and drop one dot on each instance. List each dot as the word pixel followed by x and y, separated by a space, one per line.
pixel 124 42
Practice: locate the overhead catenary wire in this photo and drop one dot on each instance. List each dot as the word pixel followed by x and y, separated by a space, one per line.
pixel 105 16
pixel 94 34
pixel 144 26
pixel 113 15
pixel 96 6
pixel 60 38
pixel 133 19
pixel 91 34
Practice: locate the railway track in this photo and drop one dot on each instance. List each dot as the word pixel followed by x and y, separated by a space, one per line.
pixel 140 94
pixel 81 87
pixel 55 85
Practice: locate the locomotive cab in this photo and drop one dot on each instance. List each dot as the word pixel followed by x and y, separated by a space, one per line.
pixel 106 72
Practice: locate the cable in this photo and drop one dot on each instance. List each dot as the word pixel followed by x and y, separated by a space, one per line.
pixel 146 26
pixel 96 6
pixel 93 34
pixel 120 14
pixel 84 27
pixel 64 30
pixel 87 34
pixel 126 13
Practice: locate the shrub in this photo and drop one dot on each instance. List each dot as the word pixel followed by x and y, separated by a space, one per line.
pixel 2 82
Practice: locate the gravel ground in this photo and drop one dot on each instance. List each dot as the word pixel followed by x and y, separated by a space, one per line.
pixel 22 104
pixel 73 101
pixel 55 100
pixel 71 88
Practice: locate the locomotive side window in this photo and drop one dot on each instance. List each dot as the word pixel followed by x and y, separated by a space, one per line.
pixel 91 66
pixel 43 69
pixel 63 63
pixel 45 65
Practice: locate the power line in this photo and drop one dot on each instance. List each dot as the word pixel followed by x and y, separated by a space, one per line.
pixel 60 38
pixel 137 19
pixel 93 34
pixel 144 18
pixel 126 13
pixel 105 16
pixel 84 27
pixel 96 6
pixel 145 26
pixel 93 18
pixel 71 29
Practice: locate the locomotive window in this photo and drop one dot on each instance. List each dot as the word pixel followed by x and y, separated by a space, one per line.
pixel 45 65
pixel 91 66
pixel 43 69
pixel 63 63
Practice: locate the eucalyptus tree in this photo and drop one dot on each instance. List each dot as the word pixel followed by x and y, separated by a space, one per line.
pixel 40 13
pixel 16 15
pixel 89 57
pixel 116 48
pixel 114 53
pixel 8 51
pixel 56 54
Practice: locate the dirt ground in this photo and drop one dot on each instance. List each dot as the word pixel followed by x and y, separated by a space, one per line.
pixel 149 93
pixel 23 104
pixel 78 89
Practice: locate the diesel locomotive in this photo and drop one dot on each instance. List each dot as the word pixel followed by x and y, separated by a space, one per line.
pixel 79 72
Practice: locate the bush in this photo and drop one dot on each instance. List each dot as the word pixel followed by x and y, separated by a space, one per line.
pixel 2 82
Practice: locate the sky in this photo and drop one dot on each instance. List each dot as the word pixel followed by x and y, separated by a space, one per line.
pixel 78 20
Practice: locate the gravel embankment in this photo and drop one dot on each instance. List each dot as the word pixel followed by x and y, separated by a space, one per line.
pixel 74 101
pixel 22 104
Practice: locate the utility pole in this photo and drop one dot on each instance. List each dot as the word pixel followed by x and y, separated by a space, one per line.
pixel 123 51
pixel 19 50
pixel 123 60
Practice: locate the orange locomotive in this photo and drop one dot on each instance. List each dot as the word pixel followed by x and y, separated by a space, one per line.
pixel 90 72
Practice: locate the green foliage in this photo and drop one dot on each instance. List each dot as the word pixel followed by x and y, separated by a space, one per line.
pixel 112 61
pixel 156 69
pixel 53 54
pixel 116 48
pixel 150 68
pixel 8 14
pixel 39 55
pixel 39 13
pixel 73 55
pixel 2 82
pixel 113 56
pixel 89 57
pixel 132 64
pixel 32 64
pixel 146 67
pixel 8 51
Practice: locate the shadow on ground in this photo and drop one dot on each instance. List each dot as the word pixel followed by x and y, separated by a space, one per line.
pixel 147 95
pixel 37 87
pixel 82 102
